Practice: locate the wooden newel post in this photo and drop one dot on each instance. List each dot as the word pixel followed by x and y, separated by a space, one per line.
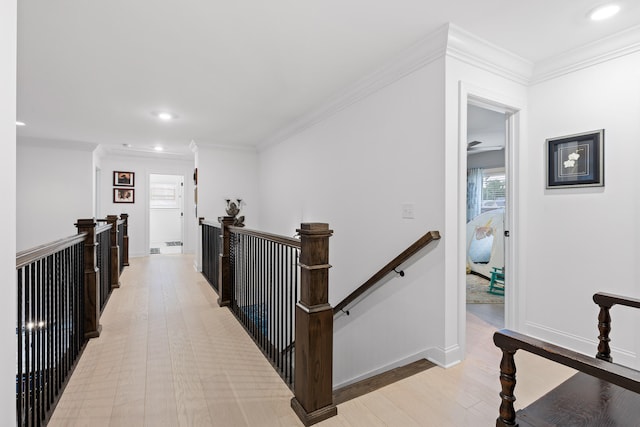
pixel 225 291
pixel 125 245
pixel 92 327
pixel 115 253
pixel 313 400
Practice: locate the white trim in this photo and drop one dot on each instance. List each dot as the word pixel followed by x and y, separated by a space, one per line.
pixel 485 98
pixel 445 357
pixel 195 147
pixel 448 40
pixel 422 53
pixel 466 47
pixel 424 354
pixel 144 152
pixel 577 343
pixel 620 44
pixel 56 143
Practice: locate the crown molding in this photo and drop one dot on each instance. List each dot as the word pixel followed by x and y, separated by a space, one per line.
pixel 615 46
pixel 206 146
pixel 448 40
pixel 420 54
pixel 113 150
pixel 473 50
pixel 56 143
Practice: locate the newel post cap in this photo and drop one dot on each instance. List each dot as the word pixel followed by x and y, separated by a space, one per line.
pixel 314 228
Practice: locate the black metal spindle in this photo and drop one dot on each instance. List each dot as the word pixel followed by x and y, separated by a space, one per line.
pixel 264 287
pixel 48 327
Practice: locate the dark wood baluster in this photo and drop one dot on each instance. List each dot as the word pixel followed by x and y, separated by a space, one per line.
pixel 508 381
pixel 225 292
pixel 125 247
pixel 115 252
pixel 92 327
pixel 604 326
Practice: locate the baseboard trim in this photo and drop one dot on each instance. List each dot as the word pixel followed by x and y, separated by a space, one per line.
pixel 344 394
pixel 396 364
pixel 445 357
pixel 577 343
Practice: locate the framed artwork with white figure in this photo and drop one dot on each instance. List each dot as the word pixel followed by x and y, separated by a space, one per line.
pixel 576 160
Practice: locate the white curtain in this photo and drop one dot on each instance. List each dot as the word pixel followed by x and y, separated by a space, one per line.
pixel 474 193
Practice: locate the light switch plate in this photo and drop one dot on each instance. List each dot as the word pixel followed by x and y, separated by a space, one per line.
pixel 408 211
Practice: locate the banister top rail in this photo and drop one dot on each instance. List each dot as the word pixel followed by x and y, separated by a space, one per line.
pixel 616 374
pixel 120 222
pixel 211 223
pixel 284 240
pixel 30 255
pixel 609 300
pixel 103 228
pixel 396 262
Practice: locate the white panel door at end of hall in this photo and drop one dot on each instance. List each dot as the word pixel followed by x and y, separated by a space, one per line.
pixel 166 213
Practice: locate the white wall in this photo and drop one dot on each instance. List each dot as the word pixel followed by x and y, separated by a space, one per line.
pixel 225 173
pixel 354 171
pixel 8 37
pixel 139 210
pixel 580 241
pixel 55 188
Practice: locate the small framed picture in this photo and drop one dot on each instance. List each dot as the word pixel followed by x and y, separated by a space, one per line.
pixel 123 195
pixel 123 179
pixel 576 160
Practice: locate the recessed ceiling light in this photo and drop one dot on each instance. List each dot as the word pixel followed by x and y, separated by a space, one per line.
pixel 165 116
pixel 604 12
pixel 20 123
pixel 158 148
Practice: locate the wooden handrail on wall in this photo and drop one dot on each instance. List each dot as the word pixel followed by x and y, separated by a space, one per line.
pixel 395 263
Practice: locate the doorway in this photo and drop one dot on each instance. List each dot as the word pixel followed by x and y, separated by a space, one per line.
pixel 166 214
pixel 486 211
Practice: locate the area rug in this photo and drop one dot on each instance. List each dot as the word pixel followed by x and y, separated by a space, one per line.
pixel 477 288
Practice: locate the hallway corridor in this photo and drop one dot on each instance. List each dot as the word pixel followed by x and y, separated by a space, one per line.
pixel 169 356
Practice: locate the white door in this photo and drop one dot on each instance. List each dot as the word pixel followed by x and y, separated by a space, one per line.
pixel 166 213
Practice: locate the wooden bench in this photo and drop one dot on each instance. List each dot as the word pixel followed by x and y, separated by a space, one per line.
pixel 601 394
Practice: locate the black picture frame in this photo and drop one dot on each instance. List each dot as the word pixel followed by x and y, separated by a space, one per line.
pixel 576 160
pixel 123 195
pixel 123 179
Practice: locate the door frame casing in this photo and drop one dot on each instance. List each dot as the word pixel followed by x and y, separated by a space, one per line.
pixel 513 108
pixel 183 206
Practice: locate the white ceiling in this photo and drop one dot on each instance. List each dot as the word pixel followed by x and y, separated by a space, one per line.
pixel 237 71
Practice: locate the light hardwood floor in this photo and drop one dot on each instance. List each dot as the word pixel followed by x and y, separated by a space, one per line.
pixel 169 356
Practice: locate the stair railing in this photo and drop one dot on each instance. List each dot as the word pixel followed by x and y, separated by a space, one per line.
pixel 390 267
pixel 211 251
pixel 59 302
pixel 277 287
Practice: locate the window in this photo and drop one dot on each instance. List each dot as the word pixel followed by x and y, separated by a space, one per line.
pixel 494 188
